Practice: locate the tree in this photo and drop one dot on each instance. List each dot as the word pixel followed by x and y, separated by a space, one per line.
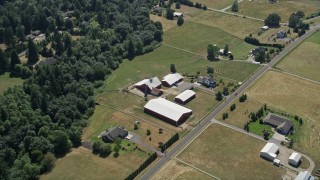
pixel 246 127
pixel 47 162
pixel 14 59
pixel 160 130
pixel 273 20
pixel 131 50
pixel 225 91
pixel 210 70
pixel 178 5
pixel 294 21
pixel 116 150
pixel 225 116
pixel 60 142
pixel 96 147
pixel 136 126
pixel 169 14
pixel 226 50
pixel 3 61
pixel 148 132
pixel 260 57
pixel 173 68
pixel 180 21
pixel 300 14
pixel 212 52
pixel 266 135
pixel 235 6
pixel 105 150
pixel 232 107
pixel 219 96
pixel 33 55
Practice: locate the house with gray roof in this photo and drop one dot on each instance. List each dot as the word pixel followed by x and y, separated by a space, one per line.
pixel 281 124
pixel 111 134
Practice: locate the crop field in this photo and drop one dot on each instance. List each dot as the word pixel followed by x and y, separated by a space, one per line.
pixel 304 60
pixel 229 154
pixel 261 8
pixel 295 96
pixel 216 4
pixel 177 170
pixel 82 164
pixel 237 26
pixel 6 81
pixel 196 37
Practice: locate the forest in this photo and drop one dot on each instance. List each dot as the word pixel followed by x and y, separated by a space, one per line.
pixel 43 119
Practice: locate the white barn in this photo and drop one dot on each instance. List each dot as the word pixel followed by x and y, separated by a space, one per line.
pixel 294 159
pixel 167 111
pixel 185 96
pixel 171 79
pixel 270 151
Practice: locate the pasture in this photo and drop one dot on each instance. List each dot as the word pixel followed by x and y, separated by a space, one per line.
pixel 261 8
pixel 187 11
pixel 237 26
pixel 6 81
pixel 216 4
pixel 295 96
pixel 304 60
pixel 82 164
pixel 196 37
pixel 166 24
pixel 229 154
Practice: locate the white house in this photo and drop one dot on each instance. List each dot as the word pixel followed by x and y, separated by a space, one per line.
pixel 294 159
pixel 305 175
pixel 270 151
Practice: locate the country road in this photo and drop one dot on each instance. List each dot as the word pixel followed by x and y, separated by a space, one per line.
pixel 206 121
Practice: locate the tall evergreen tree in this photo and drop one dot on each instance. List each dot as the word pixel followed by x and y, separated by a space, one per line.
pixel 14 59
pixel 235 6
pixel 131 50
pixel 3 61
pixel 226 50
pixel 180 21
pixel 33 55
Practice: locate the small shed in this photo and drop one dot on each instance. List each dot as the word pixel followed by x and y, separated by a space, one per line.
pixel 276 162
pixel 171 79
pixel 270 151
pixel 294 159
pixel 185 96
pixel 265 27
pixel 177 14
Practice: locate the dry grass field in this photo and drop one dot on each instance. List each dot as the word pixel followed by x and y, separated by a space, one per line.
pixel 269 35
pixel 6 81
pixel 295 96
pixel 304 60
pixel 229 154
pixel 81 164
pixel 186 10
pixel 237 26
pixel 216 4
pixel 166 24
pixel 177 170
pixel 261 8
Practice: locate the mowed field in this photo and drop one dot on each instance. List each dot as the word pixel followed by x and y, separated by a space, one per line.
pixel 261 8
pixel 237 26
pixel 229 154
pixel 196 37
pixel 6 81
pixel 81 164
pixel 216 4
pixel 295 96
pixel 304 60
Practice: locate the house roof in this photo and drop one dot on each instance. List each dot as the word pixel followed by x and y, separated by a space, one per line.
pixel 166 108
pixel 295 157
pixel 115 132
pixel 270 148
pixel 172 78
pixel 185 95
pixel 282 123
pixel 305 175
pixel 151 83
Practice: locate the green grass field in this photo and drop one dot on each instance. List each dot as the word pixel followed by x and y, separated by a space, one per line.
pixel 82 164
pixel 216 4
pixel 294 96
pixel 304 60
pixel 261 8
pixel 229 154
pixel 6 81
pixel 196 37
pixel 237 26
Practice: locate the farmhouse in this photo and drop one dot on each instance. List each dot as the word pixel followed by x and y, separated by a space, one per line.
pixel 208 81
pixel 177 14
pixel 185 96
pixel 282 125
pixel 305 175
pixel 294 159
pixel 167 111
pixel 257 50
pixel 113 133
pixel 147 85
pixel 269 151
pixel 171 79
pixel 281 34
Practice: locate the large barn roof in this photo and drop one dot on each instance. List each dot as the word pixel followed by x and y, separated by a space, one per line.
pixel 185 95
pixel 167 109
pixel 151 83
pixel 172 78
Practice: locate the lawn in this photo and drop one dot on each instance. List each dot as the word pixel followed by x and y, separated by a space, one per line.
pixel 216 4
pixel 177 170
pixel 294 96
pixel 229 154
pixel 6 81
pixel 261 8
pixel 269 35
pixel 196 37
pixel 304 60
pixel 82 164
pixel 237 26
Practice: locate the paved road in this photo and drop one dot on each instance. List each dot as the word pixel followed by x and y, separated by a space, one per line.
pixel 199 128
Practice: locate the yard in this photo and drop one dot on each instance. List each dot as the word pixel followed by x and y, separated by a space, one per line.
pixel 295 96
pixel 269 35
pixel 216 4
pixel 304 60
pixel 166 24
pixel 262 8
pixel 6 81
pixel 82 164
pixel 229 154
pixel 237 26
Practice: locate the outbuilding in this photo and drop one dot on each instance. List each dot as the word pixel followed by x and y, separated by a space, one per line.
pixel 270 151
pixel 185 96
pixel 147 85
pixel 305 175
pixel 177 14
pixel 167 111
pixel 171 79
pixel 265 27
pixel 294 159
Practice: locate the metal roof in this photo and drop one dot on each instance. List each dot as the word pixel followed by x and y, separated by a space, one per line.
pixel 185 95
pixel 166 108
pixel 151 83
pixel 270 148
pixel 172 78
pixel 295 157
pixel 305 175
